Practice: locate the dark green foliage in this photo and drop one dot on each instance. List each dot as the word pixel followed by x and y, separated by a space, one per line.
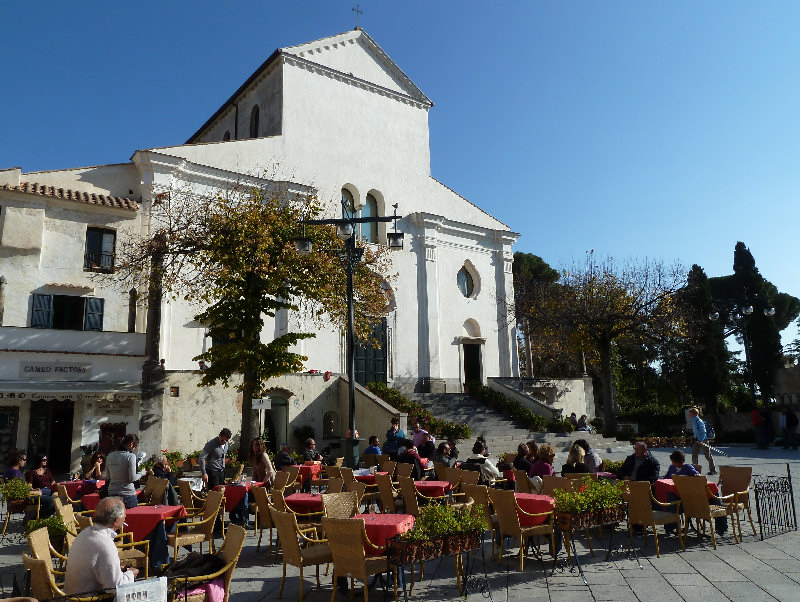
pixel 560 425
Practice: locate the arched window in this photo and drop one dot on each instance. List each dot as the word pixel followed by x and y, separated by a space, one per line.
pixel 369 232
pixel 254 122
pixel 348 204
pixel 330 425
pixel 226 136
pixel 465 282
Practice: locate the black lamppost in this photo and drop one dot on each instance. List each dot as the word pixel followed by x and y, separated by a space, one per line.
pixel 350 257
pixel 736 315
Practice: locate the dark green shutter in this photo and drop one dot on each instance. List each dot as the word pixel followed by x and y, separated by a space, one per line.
pixel 42 315
pixel 93 317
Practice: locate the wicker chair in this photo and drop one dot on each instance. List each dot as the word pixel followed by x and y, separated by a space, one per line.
pixel 340 505
pixel 44 586
pixel 505 504
pixel 335 485
pixel 346 538
pixel 263 518
pixel 694 494
pixel 735 480
pixel 640 498
pixel 293 484
pixel 370 459
pixel 199 531
pixel 480 496
pixel 334 472
pixel 156 492
pixel 281 481
pixel 523 482
pixel 41 549
pixel 440 469
pixel 551 483
pixel 358 488
pixel 63 495
pixel 409 495
pixel 307 520
pixel 389 466
pixel 403 469
pixel 389 498
pixel 290 535
pixel 229 553
pixel 192 502
pixel 469 477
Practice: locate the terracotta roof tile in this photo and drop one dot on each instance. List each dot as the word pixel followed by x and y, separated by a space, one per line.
pixel 90 198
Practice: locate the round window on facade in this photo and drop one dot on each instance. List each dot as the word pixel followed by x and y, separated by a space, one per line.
pixel 465 283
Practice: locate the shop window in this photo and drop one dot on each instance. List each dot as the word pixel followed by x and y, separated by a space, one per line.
pixel 67 312
pixel 99 254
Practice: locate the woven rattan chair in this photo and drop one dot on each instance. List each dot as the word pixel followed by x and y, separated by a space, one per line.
pixel 695 495
pixel 263 519
pixel 639 496
pixel 44 586
pixel 480 496
pixel 293 484
pixel 229 554
pixel 41 549
pixel 403 469
pixel 340 505
pixel 551 483
pixel 440 468
pixel 469 477
pixel 335 485
pixel 334 472
pixel 409 495
pixel 63 495
pixel 523 482
pixel 358 488
pixel 281 481
pixel 389 466
pixel 346 538
pixel 199 531
pixel 192 502
pixel 735 480
pixel 315 553
pixel 370 459
pixel 347 475
pixel 154 491
pixel 388 496
pixel 308 521
pixel 505 504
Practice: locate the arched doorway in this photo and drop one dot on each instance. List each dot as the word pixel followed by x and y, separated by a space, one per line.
pixel 472 352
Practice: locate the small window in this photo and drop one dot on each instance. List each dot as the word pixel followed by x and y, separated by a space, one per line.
pixel 99 254
pixel 465 282
pixel 369 232
pixel 254 122
pixel 348 204
pixel 67 312
pixel 226 136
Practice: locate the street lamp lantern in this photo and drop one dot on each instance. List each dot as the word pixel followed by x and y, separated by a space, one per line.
pixel 344 231
pixel 303 245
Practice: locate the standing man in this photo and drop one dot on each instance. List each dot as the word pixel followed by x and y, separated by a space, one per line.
pixel 394 437
pixel 701 437
pixel 93 563
pixel 212 459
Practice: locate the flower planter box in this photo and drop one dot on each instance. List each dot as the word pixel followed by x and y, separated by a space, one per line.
pixel 586 520
pixel 403 551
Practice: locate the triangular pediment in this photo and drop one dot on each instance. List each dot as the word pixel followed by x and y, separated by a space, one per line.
pixel 356 54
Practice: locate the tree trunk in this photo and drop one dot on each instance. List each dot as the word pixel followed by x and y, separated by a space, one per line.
pixel 250 424
pixel 609 389
pixel 528 352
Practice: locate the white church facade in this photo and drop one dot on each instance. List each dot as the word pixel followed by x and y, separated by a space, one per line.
pixel 336 118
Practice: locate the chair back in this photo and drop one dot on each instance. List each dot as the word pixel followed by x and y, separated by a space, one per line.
pixel 370 459
pixel 409 493
pixel 279 502
pixel 262 503
pixel 404 470
pixel 694 496
pixel 580 475
pixel 43 583
pixel 640 509
pixel 389 466
pixel 551 483
pixel 83 521
pixel 346 540
pixel 340 505
pixel 63 495
pixel 281 481
pixel 213 504
pixel 158 490
pixel 39 544
pixel 347 475
pixel 286 523
pixel 185 494
pixel 293 472
pixel 522 480
pixel 334 472
pixel 469 477
pixel 358 488
pixel 439 468
pixel 505 507
pixel 453 476
pixel 334 485
pixel 480 497
pixel 147 492
pixel 339 462
pixel 229 553
pixel 385 492
pixel 733 479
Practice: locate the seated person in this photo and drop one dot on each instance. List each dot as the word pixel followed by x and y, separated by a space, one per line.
pixel 161 469
pixel 443 454
pixel 583 424
pixel 93 561
pixel 310 454
pixel 374 446
pixel 592 459
pixel 427 450
pixel 641 465
pixel 283 458
pixel 96 466
pixel 408 450
pixel 16 462
pixel 489 471
pixel 482 440
pixel 41 479
pixel 575 461
pixel 543 467
pixel 521 461
pixel 679 466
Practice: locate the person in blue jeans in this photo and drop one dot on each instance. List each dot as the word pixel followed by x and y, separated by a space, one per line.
pixel 120 471
pixel 701 438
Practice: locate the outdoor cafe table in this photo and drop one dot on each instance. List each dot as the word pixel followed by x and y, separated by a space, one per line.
pixel 78 488
pixel 309 471
pixel 234 493
pixel 90 500
pixel 142 520
pixel 433 488
pixel 304 503
pixel 382 527
pixel 368 479
pixel 533 503
pixel 663 487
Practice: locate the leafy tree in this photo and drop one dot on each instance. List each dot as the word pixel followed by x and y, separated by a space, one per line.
pixel 233 255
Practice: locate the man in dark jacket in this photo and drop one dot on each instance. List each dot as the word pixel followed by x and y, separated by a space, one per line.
pixel 283 458
pixel 641 465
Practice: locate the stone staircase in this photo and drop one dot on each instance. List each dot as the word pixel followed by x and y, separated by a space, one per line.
pixel 502 433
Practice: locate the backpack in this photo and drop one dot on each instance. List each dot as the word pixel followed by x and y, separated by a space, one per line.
pixel 710 434
pixel 194 565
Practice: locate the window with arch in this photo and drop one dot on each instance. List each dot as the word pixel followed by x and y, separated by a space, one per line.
pixel 330 425
pixel 226 136
pixel 348 204
pixel 368 232
pixel 465 282
pixel 254 122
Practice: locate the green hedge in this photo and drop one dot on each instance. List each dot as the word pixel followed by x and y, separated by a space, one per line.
pixel 455 431
pixel 511 407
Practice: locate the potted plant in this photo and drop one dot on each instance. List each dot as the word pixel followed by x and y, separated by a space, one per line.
pixel 593 503
pixel 192 458
pixel 16 493
pixel 56 529
pixel 175 458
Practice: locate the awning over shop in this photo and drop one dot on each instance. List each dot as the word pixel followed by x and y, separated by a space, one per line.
pixel 69 391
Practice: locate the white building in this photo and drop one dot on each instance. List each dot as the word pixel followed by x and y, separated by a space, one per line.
pixel 339 118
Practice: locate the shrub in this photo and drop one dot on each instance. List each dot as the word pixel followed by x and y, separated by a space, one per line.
pixel 56 528
pixel 591 496
pixel 612 465
pixel 15 489
pixel 560 425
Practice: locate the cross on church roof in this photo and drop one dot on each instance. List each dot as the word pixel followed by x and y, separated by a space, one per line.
pixel 357 11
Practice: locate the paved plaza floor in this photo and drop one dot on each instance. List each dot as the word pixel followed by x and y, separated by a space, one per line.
pixel 751 571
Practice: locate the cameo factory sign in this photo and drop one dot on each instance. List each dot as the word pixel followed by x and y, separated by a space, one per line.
pixel 55 370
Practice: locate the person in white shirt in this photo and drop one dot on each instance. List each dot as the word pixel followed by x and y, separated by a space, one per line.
pixel 93 561
pixel 488 470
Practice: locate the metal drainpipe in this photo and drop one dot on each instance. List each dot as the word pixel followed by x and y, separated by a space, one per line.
pixel 2 297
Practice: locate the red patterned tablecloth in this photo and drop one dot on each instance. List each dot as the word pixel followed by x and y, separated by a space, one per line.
pixel 143 519
pixel 78 488
pixel 311 470
pixel 381 527
pixel 433 488
pixel 663 487
pixel 235 493
pixel 304 503
pixel 533 503
pixel 369 479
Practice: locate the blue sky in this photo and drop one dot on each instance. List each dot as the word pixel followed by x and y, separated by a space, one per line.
pixel 665 130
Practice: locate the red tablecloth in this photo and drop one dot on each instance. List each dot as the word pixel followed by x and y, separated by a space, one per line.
pixel 311 470
pixel 663 487
pixel 143 519
pixel 235 493
pixel 433 488
pixel 78 488
pixel 90 500
pixel 533 503
pixel 381 527
pixel 369 479
pixel 304 503
pixel 509 475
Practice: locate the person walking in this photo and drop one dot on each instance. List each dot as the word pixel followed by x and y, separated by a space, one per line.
pixel 212 459
pixel 701 438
